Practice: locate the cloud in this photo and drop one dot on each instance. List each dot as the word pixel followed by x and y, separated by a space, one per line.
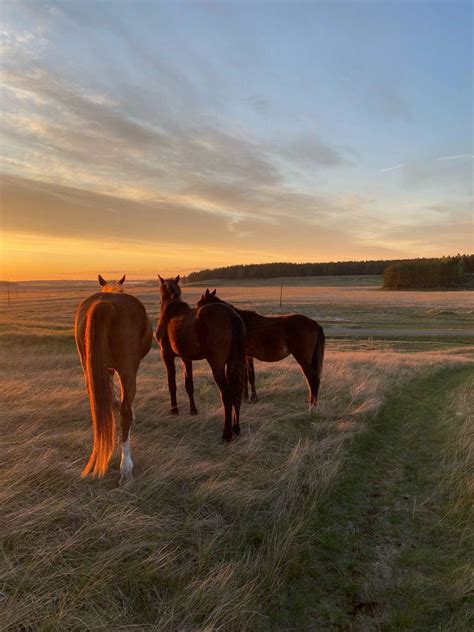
pixel 43 208
pixel 150 139
pixel 259 104
pixel 395 167
pixel 447 175
pixel 63 128
pixel 312 152
pixel 458 157
pixel 54 211
pixel 86 127
pixel 450 172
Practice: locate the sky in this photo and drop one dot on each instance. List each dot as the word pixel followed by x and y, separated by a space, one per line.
pixel 145 137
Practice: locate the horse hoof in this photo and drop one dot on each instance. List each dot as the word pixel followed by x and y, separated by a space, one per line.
pixel 193 411
pixel 226 438
pixel 253 399
pixel 174 411
pixel 236 430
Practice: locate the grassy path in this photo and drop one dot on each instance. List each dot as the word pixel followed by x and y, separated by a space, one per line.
pixel 386 549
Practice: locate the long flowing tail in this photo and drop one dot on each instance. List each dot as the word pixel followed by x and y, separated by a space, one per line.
pixel 99 317
pixel 318 354
pixel 236 361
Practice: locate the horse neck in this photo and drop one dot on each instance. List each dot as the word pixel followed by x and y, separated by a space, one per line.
pixel 243 313
pixel 248 316
pixel 174 307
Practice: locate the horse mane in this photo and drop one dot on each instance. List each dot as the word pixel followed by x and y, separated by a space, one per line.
pixel 244 313
pixel 247 313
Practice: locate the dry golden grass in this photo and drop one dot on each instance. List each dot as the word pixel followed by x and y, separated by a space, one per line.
pixel 459 483
pixel 207 536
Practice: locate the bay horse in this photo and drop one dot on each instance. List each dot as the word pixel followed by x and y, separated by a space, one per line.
pixel 212 332
pixel 273 338
pixel 113 334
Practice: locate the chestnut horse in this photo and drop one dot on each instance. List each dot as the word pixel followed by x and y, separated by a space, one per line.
pixel 272 338
pixel 213 332
pixel 113 334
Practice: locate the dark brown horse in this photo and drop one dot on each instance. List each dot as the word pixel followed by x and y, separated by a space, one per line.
pixel 113 333
pixel 212 332
pixel 272 338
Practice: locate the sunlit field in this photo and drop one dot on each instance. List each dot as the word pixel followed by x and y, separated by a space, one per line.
pixel 355 517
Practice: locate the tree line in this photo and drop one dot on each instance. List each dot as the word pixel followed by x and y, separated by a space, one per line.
pixel 333 268
pixel 427 273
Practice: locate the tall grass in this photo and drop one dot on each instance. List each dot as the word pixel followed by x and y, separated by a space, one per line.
pixel 208 536
pixel 459 487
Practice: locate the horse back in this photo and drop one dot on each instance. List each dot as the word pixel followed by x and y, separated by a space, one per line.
pixel 272 338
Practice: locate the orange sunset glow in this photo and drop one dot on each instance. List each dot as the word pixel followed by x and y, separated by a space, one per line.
pixel 167 148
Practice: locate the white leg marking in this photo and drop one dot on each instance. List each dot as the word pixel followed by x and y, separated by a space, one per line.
pixel 126 464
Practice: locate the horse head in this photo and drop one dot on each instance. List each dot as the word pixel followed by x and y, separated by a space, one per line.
pixel 169 289
pixel 208 297
pixel 111 286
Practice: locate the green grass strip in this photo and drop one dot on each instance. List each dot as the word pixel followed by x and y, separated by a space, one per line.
pixel 386 548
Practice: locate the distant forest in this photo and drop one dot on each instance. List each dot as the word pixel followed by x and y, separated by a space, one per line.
pixel 336 268
pixel 425 273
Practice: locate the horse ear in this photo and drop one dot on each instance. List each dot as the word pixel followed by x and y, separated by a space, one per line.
pixel 207 292
pixel 121 282
pixel 102 281
pixel 177 279
pixel 161 279
pixel 214 292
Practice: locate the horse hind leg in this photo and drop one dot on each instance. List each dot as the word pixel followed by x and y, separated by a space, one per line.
pixel 246 385
pixel 236 420
pixel 236 403
pixel 115 393
pixel 126 463
pixel 127 416
pixel 226 396
pixel 313 383
pixel 171 371
pixel 251 375
pixel 189 384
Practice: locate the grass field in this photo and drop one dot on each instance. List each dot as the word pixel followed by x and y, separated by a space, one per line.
pixel 366 280
pixel 358 517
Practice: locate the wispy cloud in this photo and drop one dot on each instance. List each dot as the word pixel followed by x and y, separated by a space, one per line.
pixel 187 127
pixel 193 162
pixel 458 157
pixel 394 168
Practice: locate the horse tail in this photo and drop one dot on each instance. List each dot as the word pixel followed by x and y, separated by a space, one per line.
pixel 98 322
pixel 236 361
pixel 318 353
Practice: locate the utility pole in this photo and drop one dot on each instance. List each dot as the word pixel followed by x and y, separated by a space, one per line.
pixel 281 290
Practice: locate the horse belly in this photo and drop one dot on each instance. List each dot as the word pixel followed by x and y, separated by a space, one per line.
pixel 268 349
